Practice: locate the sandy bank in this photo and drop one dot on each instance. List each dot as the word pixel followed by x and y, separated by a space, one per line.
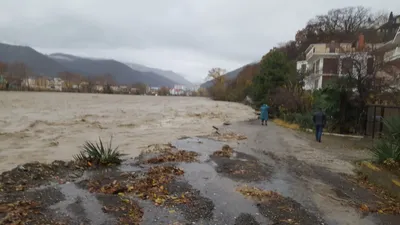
pixel 48 126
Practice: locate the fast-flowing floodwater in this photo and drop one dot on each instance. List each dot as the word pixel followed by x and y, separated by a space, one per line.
pixel 48 126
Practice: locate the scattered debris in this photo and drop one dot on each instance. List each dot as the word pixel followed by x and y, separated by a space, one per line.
pixel 126 210
pixel 158 148
pixel 258 194
pixel 23 212
pixel 241 167
pixel 151 187
pixel 386 205
pixel 170 155
pixel 229 136
pixel 36 174
pixel 198 208
pixel 19 212
pixel 226 151
pixel 281 210
pixel 216 130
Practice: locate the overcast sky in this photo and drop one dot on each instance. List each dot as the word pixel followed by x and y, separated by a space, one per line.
pixel 186 36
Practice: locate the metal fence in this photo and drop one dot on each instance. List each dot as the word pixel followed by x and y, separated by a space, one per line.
pixel 375 115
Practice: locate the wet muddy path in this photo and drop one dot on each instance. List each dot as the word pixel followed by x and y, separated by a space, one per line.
pixel 272 177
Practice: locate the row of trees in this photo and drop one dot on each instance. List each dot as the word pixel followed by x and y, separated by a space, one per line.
pixel 275 80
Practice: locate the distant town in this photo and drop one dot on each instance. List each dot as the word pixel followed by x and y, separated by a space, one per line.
pixel 19 79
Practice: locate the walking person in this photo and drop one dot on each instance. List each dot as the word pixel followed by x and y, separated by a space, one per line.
pixel 264 114
pixel 319 120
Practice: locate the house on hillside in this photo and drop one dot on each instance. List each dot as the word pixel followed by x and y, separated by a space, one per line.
pixel 391 49
pixel 390 53
pixel 326 61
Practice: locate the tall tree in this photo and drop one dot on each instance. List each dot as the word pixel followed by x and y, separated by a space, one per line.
pixel 275 71
pixel 218 90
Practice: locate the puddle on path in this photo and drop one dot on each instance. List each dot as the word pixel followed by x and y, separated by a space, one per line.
pixel 81 205
pixel 221 190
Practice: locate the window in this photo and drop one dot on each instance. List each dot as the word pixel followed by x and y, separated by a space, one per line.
pixel 330 66
pixel 316 84
pixel 347 65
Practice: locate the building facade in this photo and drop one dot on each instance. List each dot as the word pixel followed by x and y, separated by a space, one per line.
pixel 326 61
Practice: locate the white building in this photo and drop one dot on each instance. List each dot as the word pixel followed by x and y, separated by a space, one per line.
pixel 29 82
pixel 324 61
pixel 178 90
pixel 56 84
pixel 391 49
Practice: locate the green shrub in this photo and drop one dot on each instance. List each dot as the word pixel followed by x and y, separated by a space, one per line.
pixel 304 120
pixel 99 154
pixel 388 147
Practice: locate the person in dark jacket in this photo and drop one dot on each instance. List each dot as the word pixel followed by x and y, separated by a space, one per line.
pixel 319 120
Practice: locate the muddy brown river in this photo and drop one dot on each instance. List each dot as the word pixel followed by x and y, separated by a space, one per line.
pixel 48 126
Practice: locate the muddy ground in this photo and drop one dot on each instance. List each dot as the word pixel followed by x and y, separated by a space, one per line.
pixel 268 175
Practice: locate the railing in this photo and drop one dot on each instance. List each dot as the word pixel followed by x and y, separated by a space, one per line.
pixel 327 50
pixel 392 55
pixel 396 38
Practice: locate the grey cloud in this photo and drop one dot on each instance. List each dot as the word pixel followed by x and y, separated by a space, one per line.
pixel 232 31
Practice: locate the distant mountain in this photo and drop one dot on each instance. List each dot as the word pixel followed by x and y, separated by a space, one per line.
pixel 34 60
pixel 228 76
pixel 177 78
pixel 122 73
pixel 53 64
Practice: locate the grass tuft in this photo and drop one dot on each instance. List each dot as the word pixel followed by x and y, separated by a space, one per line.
pixel 97 153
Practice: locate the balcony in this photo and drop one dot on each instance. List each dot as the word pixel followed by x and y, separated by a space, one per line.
pixel 396 38
pixel 325 50
pixel 392 55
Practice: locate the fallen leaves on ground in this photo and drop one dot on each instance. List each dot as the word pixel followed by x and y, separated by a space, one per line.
pixel 23 212
pixel 229 136
pixel 174 156
pixel 19 212
pixel 158 148
pixel 152 187
pixel 130 210
pixel 285 124
pixel 226 151
pixel 257 193
pixel 387 204
pixel 36 174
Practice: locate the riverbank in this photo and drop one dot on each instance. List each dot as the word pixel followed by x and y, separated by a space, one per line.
pixel 268 175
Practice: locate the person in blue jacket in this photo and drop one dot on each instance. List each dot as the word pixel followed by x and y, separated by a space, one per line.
pixel 264 114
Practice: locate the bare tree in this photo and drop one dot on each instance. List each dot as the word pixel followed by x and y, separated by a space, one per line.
pixel 347 20
pixel 216 73
pixel 369 75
